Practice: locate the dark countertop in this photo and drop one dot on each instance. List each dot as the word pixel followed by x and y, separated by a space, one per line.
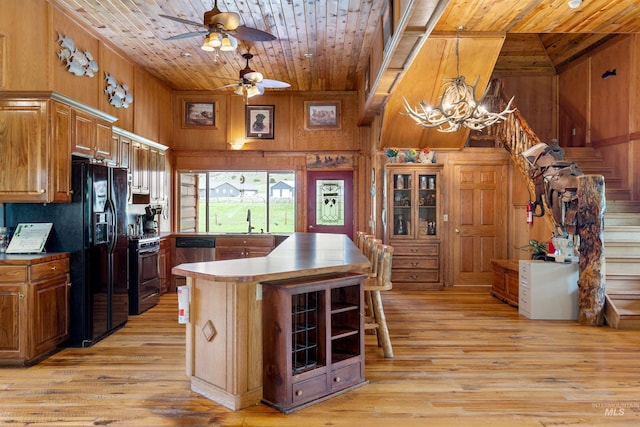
pixel 26 259
pixel 301 254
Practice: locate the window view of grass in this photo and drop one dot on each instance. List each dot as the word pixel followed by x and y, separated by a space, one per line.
pixel 227 199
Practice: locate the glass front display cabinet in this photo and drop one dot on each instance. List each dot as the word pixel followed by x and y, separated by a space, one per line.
pixel 413 223
pixel 413 202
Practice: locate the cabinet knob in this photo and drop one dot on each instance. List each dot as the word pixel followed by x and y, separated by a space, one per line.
pixel 298 392
pixel 414 250
pixel 415 264
pixel 54 268
pixel 337 379
pixel 414 277
pixel 42 191
pixel 457 231
pixel 21 295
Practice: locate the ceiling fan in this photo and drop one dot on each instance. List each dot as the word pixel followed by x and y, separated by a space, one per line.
pixel 252 83
pixel 222 29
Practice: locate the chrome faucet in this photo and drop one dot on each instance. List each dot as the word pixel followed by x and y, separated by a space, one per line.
pixel 249 220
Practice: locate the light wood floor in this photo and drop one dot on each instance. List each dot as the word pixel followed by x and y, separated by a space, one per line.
pixel 462 358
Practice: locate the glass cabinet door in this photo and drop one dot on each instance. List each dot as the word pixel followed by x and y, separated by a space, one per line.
pixel 427 204
pixel 402 200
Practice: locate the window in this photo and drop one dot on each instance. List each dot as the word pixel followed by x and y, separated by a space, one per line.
pixel 225 201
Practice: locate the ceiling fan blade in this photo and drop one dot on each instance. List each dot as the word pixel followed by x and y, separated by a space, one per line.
pixel 226 86
pixel 253 76
pixel 252 34
pixel 187 35
pixel 184 21
pixel 274 84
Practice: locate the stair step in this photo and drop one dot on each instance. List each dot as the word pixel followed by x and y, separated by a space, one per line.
pixel 622 285
pixel 623 250
pixel 581 153
pixel 621 233
pixel 620 219
pixel 614 194
pixel 622 313
pixel 622 205
pixel 622 267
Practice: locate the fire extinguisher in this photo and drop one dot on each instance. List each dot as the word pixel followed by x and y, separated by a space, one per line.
pixel 529 213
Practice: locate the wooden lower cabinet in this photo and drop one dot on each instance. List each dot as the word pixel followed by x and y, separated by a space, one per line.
pixel 416 264
pixel 165 263
pixel 34 307
pixel 505 284
pixel 234 247
pixel 313 339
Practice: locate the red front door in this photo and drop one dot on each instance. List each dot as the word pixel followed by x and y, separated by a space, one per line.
pixel 330 202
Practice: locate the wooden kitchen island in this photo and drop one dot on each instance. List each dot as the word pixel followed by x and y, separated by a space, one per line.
pixel 224 348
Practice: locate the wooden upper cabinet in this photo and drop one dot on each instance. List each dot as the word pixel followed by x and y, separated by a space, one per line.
pixel 35 163
pixel 91 137
pixel 61 154
pixel 139 167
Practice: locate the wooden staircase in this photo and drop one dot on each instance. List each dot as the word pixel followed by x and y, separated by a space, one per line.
pixel 622 252
pixel 621 242
pixel 621 222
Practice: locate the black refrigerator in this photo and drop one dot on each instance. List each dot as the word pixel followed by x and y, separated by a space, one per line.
pixel 93 229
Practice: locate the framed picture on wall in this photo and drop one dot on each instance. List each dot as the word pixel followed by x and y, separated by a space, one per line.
pixel 199 114
pixel 322 115
pixel 259 121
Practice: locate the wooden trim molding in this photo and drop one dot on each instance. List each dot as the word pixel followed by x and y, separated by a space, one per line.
pixel 3 60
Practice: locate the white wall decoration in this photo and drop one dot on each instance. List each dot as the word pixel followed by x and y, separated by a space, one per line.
pixel 119 95
pixel 78 62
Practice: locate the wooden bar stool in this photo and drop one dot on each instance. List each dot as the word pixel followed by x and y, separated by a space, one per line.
pixel 373 286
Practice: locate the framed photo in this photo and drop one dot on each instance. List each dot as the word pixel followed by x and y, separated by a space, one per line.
pixel 199 114
pixel 259 121
pixel 322 115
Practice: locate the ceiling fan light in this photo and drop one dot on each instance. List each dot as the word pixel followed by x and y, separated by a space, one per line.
pixel 238 90
pixel 252 91
pixel 206 47
pixel 228 44
pixel 214 40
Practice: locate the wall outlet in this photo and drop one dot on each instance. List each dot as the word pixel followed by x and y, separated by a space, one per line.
pixel 445 218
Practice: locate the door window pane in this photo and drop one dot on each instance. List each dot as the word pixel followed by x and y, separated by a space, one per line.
pixel 330 202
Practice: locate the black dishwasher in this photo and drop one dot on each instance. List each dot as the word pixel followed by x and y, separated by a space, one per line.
pixel 194 249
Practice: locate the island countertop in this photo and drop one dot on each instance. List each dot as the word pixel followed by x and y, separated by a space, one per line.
pixel 301 254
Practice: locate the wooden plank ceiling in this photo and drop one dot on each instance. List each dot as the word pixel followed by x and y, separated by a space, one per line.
pixel 325 45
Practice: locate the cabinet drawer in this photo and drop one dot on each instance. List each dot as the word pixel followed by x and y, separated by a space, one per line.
pixel 13 273
pixel 419 276
pixel 254 241
pixel 49 269
pixel 416 250
pixel 346 376
pixel 415 262
pixel 309 389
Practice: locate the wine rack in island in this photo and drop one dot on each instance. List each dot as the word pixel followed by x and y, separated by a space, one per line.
pixel 313 342
pixel 413 224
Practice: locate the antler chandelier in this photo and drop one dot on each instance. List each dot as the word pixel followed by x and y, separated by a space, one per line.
pixel 458 106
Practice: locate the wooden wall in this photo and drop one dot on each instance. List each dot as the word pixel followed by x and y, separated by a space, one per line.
pixel 29 62
pixel 605 112
pixel 207 148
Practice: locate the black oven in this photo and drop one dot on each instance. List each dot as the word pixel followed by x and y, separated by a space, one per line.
pixel 144 277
